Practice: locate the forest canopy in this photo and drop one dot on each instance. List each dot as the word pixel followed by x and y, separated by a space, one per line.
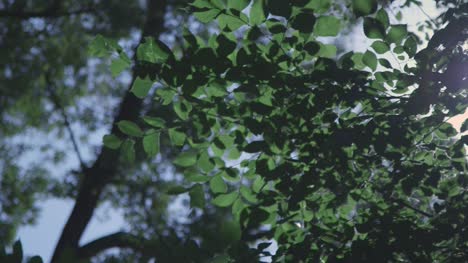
pixel 270 138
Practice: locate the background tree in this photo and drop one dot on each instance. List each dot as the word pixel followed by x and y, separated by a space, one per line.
pixel 315 175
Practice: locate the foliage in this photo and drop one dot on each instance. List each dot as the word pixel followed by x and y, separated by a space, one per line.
pixel 246 126
pixel 16 255
pixel 339 162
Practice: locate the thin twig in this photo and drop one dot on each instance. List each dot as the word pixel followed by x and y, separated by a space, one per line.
pixel 56 101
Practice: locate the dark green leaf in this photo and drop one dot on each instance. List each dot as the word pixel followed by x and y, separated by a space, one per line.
pixel 380 47
pixel 364 7
pixel 279 8
pixel 130 128
pixel 197 196
pixel 370 60
pixel 304 22
pixel 373 28
pixel 111 141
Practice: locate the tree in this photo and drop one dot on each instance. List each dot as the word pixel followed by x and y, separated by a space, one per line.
pixel 344 158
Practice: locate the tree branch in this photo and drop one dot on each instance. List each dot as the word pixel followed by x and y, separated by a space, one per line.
pixel 56 101
pixel 116 240
pixel 98 175
pixel 47 13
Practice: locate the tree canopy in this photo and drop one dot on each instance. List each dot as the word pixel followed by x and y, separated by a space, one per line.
pixel 283 146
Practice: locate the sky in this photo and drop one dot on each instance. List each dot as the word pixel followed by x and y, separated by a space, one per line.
pixel 40 239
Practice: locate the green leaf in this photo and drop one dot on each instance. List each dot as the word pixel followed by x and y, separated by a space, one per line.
pixel 464 126
pixel 128 150
pixel 225 200
pixel 207 16
pixel 239 5
pixel 35 259
pixel 176 190
pixel 130 128
pixel 382 17
pixel 327 26
pixel 218 185
pixel 380 47
pixel 167 95
pixel 205 163
pixel 230 22
pixel 202 4
pixel 177 138
pixel 118 65
pixel 257 12
pixel 327 51
pixel 410 46
pixel 279 8
pixel 396 34
pixel 370 60
pixel 102 47
pixel 111 141
pixel 153 51
pixel 319 6
pixel 17 255
pixel 182 109
pixel 364 7
pixel 141 87
pixel 186 159
pixel 197 196
pixel 258 184
pixel 247 194
pixel 151 143
pixel 385 63
pixel 373 28
pixel 304 22
pixel 155 121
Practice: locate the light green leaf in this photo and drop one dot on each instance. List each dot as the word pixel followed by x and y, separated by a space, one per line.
pixel 141 87
pixel 327 26
pixel 151 143
pixel 153 51
pixel 218 185
pixel 257 12
pixel 207 16
pixel 118 65
pixel 239 5
pixel 225 200
pixel 186 159
pixel 247 194
pixel 130 128
pixel 177 138
pixel 167 95
pixel 327 51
